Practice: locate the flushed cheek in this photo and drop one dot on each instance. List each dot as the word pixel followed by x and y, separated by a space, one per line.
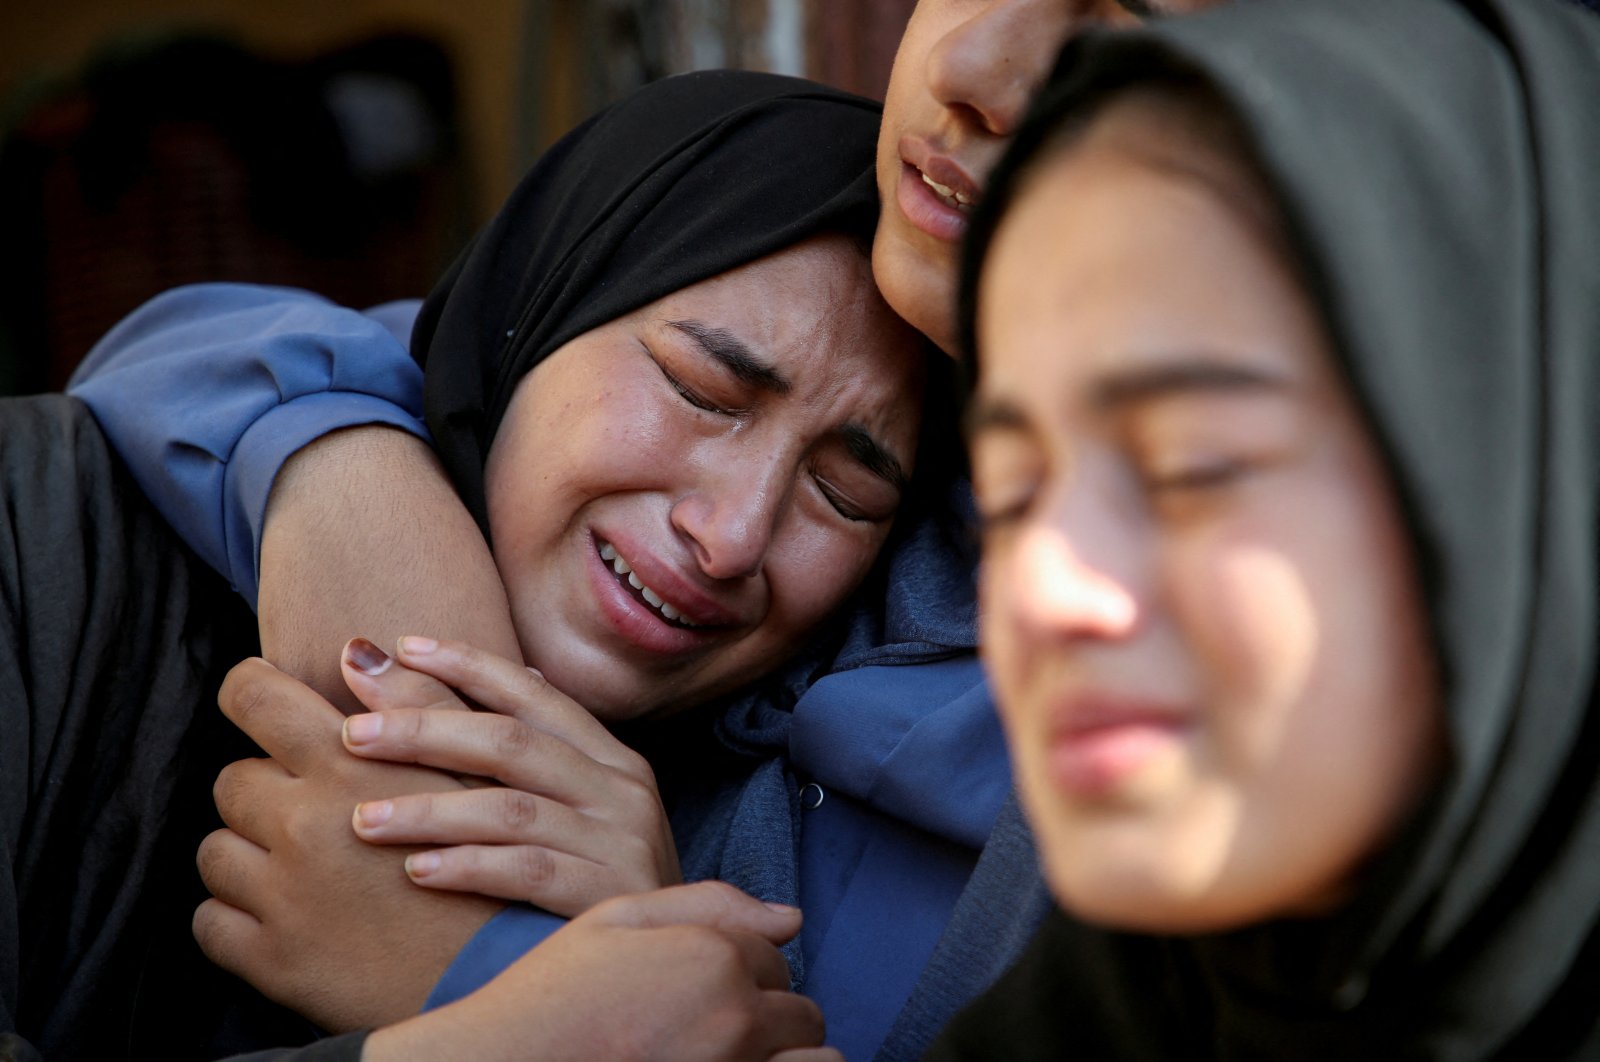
pixel 1253 635
pixel 1299 756
pixel 573 466
pixel 813 572
pixel 611 426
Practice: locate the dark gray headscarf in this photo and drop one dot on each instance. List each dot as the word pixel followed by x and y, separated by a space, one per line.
pixel 1438 166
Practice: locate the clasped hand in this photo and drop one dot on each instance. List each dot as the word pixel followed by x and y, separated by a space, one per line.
pixel 328 924
pixel 576 818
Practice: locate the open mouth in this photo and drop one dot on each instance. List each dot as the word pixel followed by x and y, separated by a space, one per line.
pixel 949 196
pixel 630 581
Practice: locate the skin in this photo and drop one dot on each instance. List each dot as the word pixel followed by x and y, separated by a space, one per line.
pixel 696 966
pixel 754 513
pixel 346 513
pixel 962 77
pixel 761 500
pixel 328 564
pixel 1200 611
pixel 283 856
pixel 575 816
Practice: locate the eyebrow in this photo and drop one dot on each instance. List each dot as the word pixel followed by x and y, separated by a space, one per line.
pixel 731 352
pixel 740 360
pixel 1133 387
pixel 874 456
pixel 1189 376
pixel 991 414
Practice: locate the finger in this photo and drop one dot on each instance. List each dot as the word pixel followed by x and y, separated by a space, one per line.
pixel 381 683
pixel 808 1054
pixel 480 816
pixel 707 903
pixel 247 794
pixel 230 866
pixel 560 883
pixel 764 961
pixel 506 687
pixel 792 1028
pixel 481 743
pixel 285 717
pixel 224 933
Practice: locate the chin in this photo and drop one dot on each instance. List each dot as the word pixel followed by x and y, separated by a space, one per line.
pixel 602 691
pixel 1137 892
pixel 1156 901
pixel 921 293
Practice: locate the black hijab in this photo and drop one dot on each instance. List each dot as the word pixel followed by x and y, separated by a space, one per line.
pixel 685 179
pixel 1436 165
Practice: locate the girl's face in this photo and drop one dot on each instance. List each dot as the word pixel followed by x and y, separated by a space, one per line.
pixel 678 498
pixel 1199 607
pixel 962 77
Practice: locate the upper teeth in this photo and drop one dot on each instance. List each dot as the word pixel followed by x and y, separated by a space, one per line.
pixel 609 554
pixel 961 198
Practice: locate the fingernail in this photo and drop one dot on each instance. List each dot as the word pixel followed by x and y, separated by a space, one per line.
pixel 373 813
pixel 363 729
pixel 412 645
pixel 421 864
pixel 536 673
pixel 781 908
pixel 366 657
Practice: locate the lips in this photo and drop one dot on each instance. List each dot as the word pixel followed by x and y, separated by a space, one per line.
pixel 948 179
pixel 668 593
pixel 1099 746
pixel 648 595
pixel 935 193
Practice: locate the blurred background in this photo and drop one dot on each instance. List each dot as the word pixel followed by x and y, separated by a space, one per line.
pixel 347 146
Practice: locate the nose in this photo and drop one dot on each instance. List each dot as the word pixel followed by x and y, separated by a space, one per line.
pixel 1057 591
pixel 987 66
pixel 731 517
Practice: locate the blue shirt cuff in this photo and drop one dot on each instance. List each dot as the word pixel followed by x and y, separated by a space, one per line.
pixel 261 452
pixel 504 939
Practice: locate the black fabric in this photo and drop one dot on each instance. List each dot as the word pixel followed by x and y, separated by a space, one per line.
pixel 113 641
pixel 1436 164
pixel 685 179
pixel 346 1048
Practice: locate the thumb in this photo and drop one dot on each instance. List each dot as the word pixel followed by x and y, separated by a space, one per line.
pixel 706 903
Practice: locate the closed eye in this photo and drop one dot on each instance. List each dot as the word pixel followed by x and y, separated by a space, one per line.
pixel 843 505
pixel 691 396
pixel 1211 475
pixel 992 518
pixel 688 392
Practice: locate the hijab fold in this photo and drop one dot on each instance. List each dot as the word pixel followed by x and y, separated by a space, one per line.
pixel 1435 162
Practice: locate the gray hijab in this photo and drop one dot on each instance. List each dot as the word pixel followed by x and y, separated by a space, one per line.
pixel 1438 164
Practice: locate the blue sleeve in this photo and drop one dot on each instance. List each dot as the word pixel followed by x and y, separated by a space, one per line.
pixel 207 390
pixel 504 939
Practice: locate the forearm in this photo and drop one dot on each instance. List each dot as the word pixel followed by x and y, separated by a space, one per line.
pixel 447 1033
pixel 364 536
